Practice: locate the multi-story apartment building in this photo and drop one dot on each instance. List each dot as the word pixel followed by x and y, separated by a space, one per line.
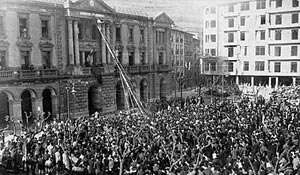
pixel 184 47
pixel 49 49
pixel 254 41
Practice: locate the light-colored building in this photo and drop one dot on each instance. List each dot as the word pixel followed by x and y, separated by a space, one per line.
pixel 253 41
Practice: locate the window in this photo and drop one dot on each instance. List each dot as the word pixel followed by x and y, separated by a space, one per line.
pixel 294 51
pixel 160 58
pixel 277 67
pixel 206 24
pixel 242 36
pixel 243 20
pixel 120 56
pixel 213 10
pixel 213 52
pixel 262 35
pixel 278 3
pixel 1 24
pixel 142 35
pixel 260 50
pixel 246 66
pixel 118 33
pixel 206 66
pixel 94 32
pixel 131 58
pixel 245 51
pixel 46 59
pixel 213 38
pixel 230 22
pixel 207 38
pixel 45 29
pixel 213 66
pixel 294 34
pixel 260 4
pixel 277 51
pixel 142 58
pixel 213 23
pixel 294 66
pixel 23 27
pixel 130 33
pixel 160 37
pixel 277 34
pixel 25 60
pixel 206 52
pixel 231 8
pixel 2 59
pixel 230 51
pixel 245 6
pixel 206 10
pixel 181 40
pixel 230 37
pixel 230 67
pixel 259 65
pixel 263 19
pixel 295 3
pixel 295 18
pixel 278 19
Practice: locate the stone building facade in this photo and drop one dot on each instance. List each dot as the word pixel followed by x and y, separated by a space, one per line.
pixel 48 51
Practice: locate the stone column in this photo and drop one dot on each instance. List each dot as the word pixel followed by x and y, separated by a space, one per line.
pixel 252 81
pixel 237 80
pixel 83 58
pixel 276 82
pixel 70 40
pixel 54 100
pixel 76 42
pixel 270 82
pixel 107 31
pixel 103 46
pixel 294 81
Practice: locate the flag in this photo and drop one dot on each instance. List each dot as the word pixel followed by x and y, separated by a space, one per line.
pixel 189 65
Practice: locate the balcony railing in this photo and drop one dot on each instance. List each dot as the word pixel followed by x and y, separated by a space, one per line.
pixel 6 74
pixel 48 72
pixel 27 74
pixel 144 68
pixel 86 70
pixel 163 67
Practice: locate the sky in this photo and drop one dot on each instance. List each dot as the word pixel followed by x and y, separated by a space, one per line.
pixel 185 13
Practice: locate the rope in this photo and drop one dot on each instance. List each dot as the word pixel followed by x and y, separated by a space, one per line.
pixel 123 74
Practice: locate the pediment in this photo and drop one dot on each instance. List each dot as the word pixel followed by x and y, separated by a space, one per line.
pixel 164 18
pixel 24 44
pixel 92 5
pixel 46 44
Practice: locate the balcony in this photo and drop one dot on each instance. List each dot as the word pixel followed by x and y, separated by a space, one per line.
pixel 163 67
pixel 86 70
pixel 144 68
pixel 27 74
pixel 7 75
pixel 132 69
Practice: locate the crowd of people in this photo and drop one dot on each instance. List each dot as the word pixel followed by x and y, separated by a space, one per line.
pixel 179 137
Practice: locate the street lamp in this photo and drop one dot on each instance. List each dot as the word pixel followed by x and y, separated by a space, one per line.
pixel 70 87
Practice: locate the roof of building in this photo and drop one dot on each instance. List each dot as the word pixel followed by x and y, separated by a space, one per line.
pixel 131 11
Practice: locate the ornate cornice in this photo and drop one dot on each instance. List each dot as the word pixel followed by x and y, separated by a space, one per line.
pixel 24 44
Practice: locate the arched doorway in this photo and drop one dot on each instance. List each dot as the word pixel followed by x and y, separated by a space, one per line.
pixel 162 89
pixel 143 90
pixel 47 103
pixel 120 96
pixel 95 99
pixel 4 109
pixel 26 107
